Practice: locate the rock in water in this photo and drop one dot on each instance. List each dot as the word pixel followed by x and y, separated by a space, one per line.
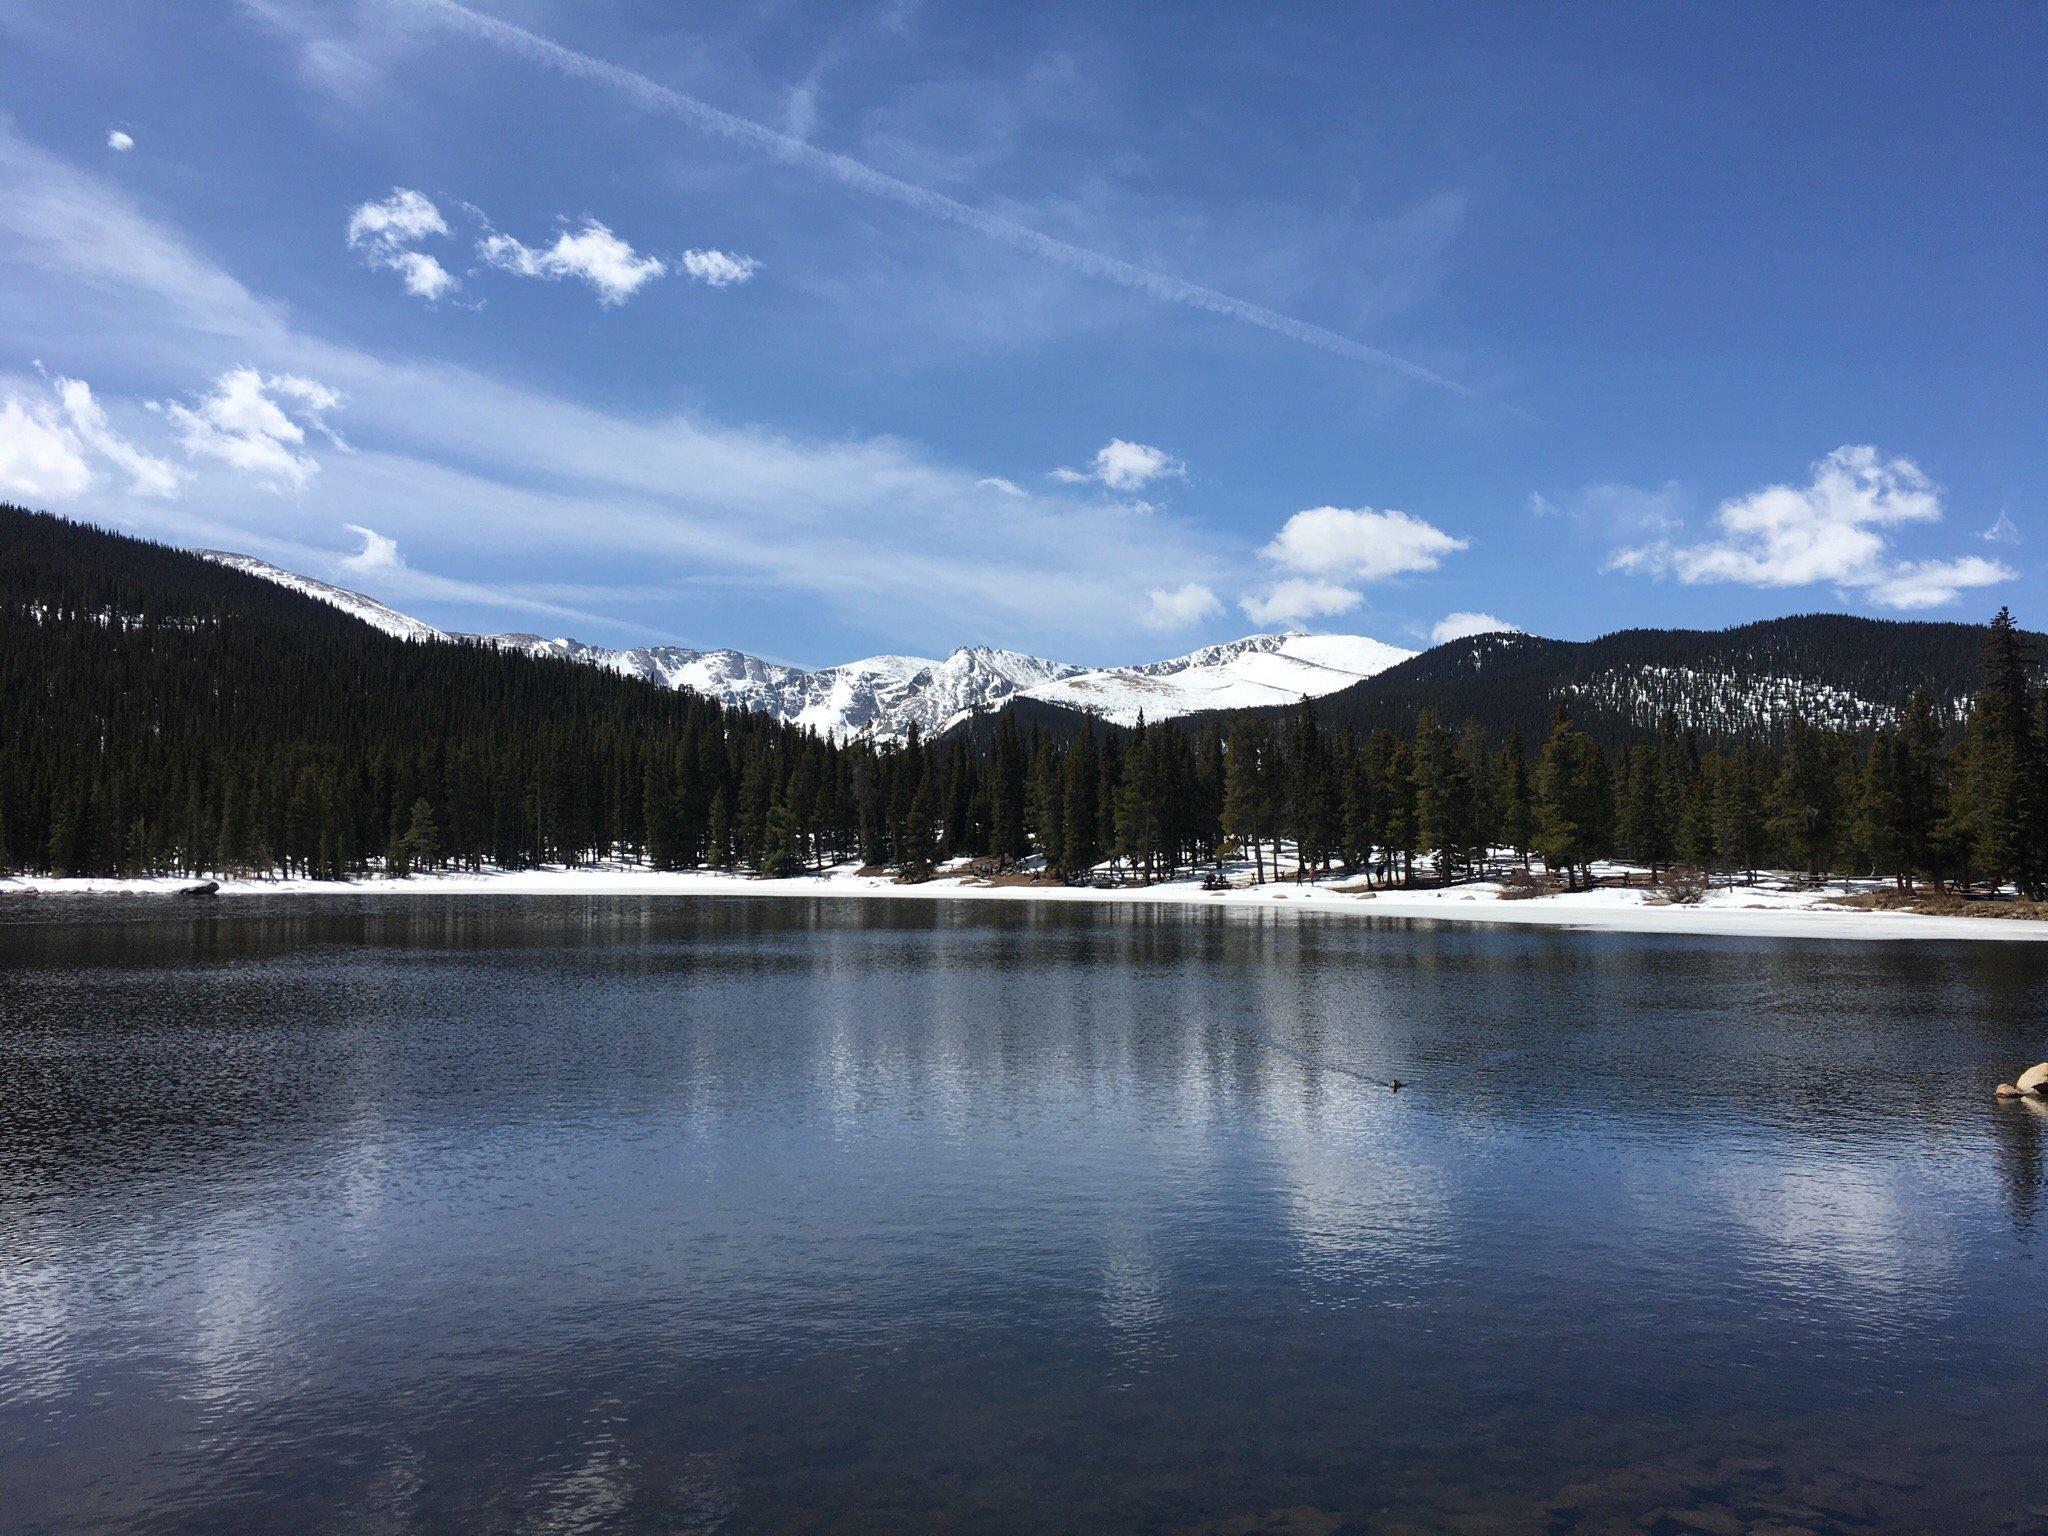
pixel 2006 1091
pixel 204 888
pixel 2035 1079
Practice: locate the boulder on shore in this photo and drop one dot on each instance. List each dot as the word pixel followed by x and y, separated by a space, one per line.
pixel 2035 1079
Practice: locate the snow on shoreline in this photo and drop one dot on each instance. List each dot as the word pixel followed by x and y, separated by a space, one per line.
pixel 1753 911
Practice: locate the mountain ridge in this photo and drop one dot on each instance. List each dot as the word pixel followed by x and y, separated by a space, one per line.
pixel 886 696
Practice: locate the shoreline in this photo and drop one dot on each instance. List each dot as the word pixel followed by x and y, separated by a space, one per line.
pixel 1732 912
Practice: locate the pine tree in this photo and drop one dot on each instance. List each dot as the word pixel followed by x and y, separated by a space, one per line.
pixel 917 836
pixel 1442 798
pixel 2002 814
pixel 722 849
pixel 1804 799
pixel 1516 796
pixel 1006 783
pixel 1570 813
pixel 1080 835
pixel 1644 830
pixel 423 837
pixel 782 852
pixel 1247 803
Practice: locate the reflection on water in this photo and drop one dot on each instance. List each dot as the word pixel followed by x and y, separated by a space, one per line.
pixel 602 1214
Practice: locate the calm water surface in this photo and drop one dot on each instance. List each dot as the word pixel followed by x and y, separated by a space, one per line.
pixel 513 1214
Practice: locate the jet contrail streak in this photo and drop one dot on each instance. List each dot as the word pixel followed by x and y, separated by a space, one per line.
pixel 849 172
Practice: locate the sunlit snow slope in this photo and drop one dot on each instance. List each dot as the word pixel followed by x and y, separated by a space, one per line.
pixel 368 609
pixel 1241 674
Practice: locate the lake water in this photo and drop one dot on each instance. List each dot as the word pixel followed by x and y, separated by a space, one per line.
pixel 421 1214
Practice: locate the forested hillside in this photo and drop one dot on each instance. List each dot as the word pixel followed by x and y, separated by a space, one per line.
pixel 1829 670
pixel 160 713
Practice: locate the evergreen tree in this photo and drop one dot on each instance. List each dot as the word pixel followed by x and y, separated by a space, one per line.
pixel 422 837
pixel 1442 798
pixel 1570 813
pixel 1247 800
pixel 1080 835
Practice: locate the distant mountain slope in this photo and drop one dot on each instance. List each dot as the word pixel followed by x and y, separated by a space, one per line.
pixel 368 609
pixel 1831 669
pixel 884 696
pixel 879 696
pixel 1251 673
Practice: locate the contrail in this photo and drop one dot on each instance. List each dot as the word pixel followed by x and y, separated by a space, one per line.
pixel 849 172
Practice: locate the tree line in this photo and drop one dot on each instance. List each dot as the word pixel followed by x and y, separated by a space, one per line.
pixel 162 715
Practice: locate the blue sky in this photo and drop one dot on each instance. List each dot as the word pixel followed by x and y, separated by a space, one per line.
pixel 820 330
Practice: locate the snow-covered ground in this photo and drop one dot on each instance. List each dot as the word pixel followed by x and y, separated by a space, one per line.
pixel 1760 911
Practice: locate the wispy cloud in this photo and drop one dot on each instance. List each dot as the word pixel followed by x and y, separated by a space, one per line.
pixel 120 141
pixel 257 424
pixel 1618 510
pixel 590 252
pixel 859 176
pixel 384 230
pixel 718 269
pixel 147 474
pixel 378 554
pixel 875 531
pixel 50 446
pixel 40 461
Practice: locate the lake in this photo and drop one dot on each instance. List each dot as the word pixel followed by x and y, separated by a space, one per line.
pixel 414 1213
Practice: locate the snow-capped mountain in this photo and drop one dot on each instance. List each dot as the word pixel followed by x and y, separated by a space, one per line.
pixel 368 609
pixel 1240 674
pixel 884 696
pixel 880 696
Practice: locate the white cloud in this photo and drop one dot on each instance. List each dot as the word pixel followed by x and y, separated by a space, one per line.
pixel 592 253
pixel 377 554
pixel 719 269
pixel 120 143
pixel 1178 607
pixel 404 218
pixel 1299 599
pixel 1835 529
pixel 423 275
pixel 257 424
pixel 382 230
pixel 48 451
pixel 1125 466
pixel 1347 544
pixel 998 483
pixel 147 474
pixel 867 530
pixel 2004 531
pixel 41 459
pixel 1933 583
pixel 1458 626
